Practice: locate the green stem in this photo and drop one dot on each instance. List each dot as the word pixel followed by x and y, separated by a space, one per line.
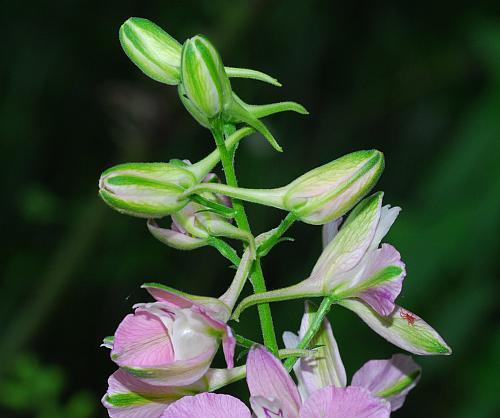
pixel 244 342
pixel 217 208
pixel 322 311
pixel 256 277
pixel 275 235
pixel 284 353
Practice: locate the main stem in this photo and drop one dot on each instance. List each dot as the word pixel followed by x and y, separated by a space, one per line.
pixel 322 311
pixel 256 276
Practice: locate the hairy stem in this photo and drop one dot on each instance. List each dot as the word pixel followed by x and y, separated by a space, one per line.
pixel 256 276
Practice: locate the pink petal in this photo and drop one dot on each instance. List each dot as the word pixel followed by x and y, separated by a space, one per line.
pixel 349 402
pixel 385 273
pixel 178 299
pixel 267 377
pixel 391 379
pixel 128 397
pixel 165 294
pixel 207 405
pixel 176 373
pixel 142 340
pixel 377 279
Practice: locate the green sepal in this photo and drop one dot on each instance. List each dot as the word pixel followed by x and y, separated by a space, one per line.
pixel 237 113
pixel 262 111
pixel 233 72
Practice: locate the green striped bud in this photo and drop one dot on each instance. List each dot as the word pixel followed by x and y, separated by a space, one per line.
pixel 319 196
pixel 145 190
pixel 154 190
pixel 153 50
pixel 329 191
pixel 204 78
pixel 158 55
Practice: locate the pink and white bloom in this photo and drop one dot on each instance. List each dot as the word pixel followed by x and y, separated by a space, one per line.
pixel 173 340
pixel 352 264
pixel 164 349
pixel 130 397
pixel 274 394
pixel 388 379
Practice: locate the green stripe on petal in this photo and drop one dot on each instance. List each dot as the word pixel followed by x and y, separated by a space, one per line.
pixel 400 386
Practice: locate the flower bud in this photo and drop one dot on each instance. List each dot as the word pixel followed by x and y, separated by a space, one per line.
pixel 329 191
pixel 175 237
pixel 204 79
pixel 158 55
pixel 196 113
pixel 154 190
pixel 319 196
pixel 152 49
pixel 145 190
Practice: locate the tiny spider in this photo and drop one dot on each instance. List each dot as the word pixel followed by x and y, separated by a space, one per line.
pixel 410 318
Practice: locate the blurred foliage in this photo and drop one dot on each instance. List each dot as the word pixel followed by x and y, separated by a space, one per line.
pixel 419 81
pixel 35 389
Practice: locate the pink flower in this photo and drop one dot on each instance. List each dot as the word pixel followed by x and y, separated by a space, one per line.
pixel 165 348
pixel 389 379
pixel 129 397
pixel 172 341
pixel 274 394
pixel 353 264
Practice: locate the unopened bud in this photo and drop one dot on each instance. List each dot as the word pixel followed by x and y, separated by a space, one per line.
pixel 145 190
pixel 175 238
pixel 154 190
pixel 329 191
pixel 319 196
pixel 198 222
pixel 153 50
pixel 204 79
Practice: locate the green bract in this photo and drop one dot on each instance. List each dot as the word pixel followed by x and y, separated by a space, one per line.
pixel 322 194
pixel 204 79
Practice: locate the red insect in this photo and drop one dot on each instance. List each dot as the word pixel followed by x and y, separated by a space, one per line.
pixel 408 316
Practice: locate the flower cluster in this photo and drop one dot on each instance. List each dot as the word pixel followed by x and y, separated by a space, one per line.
pixel 164 350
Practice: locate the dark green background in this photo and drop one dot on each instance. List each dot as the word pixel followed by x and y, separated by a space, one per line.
pixel 419 81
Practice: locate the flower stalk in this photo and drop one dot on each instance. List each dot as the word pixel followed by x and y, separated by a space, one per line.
pixel 256 275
